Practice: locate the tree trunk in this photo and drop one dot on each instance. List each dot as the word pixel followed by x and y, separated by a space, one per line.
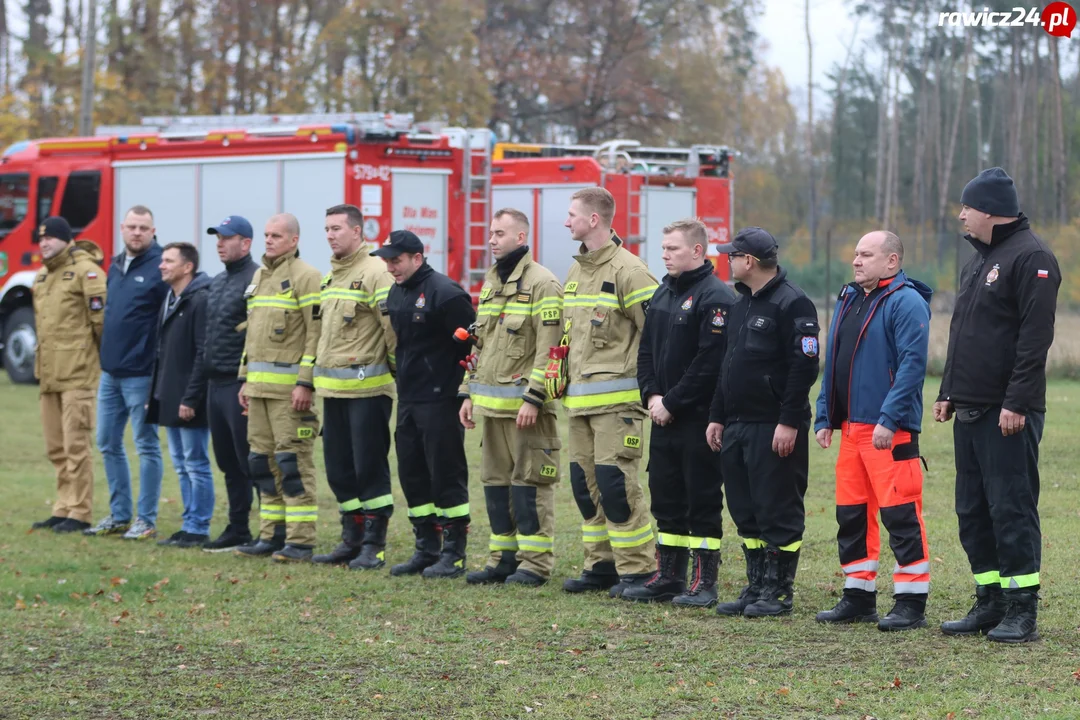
pixel 950 152
pixel 1058 158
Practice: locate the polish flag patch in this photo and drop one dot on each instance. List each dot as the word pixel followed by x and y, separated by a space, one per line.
pixel 1043 273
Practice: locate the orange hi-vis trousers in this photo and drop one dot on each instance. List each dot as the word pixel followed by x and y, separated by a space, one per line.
pixel 869 481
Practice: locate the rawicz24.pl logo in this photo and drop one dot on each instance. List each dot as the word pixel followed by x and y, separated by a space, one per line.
pixel 1057 18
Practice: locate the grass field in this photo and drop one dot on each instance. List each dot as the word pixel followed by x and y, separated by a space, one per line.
pixel 110 629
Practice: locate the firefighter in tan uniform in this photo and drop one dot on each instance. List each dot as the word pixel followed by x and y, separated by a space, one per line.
pixel 353 375
pixel 605 299
pixel 277 371
pixel 518 320
pixel 69 298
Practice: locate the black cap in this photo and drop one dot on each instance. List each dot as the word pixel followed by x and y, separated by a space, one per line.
pixel 56 227
pixel 401 241
pixel 992 192
pixel 754 241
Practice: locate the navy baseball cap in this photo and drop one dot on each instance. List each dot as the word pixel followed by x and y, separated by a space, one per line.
pixel 401 241
pixel 753 241
pixel 232 225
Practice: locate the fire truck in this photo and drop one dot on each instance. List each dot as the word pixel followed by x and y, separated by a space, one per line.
pixel 440 182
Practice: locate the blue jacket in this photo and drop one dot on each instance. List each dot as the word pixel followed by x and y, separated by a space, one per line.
pixel 889 365
pixel 132 310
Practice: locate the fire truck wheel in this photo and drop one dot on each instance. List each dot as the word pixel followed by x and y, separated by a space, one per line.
pixel 20 341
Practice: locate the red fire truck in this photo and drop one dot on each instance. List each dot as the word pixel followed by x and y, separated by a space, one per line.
pixel 436 181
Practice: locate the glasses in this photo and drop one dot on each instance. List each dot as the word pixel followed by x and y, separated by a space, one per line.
pixel 740 254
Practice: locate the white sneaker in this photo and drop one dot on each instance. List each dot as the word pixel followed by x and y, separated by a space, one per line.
pixel 140 530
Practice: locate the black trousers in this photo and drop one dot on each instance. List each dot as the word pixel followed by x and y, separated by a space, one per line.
pixel 997 498
pixel 356 449
pixel 432 468
pixel 765 491
pixel 686 486
pixel 229 434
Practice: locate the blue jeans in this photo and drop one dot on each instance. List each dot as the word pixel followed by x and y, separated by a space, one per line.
pixel 119 399
pixel 190 450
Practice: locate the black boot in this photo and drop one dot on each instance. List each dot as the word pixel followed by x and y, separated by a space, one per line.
pixel 373 546
pixel 349 547
pixel 263 548
pixel 668 581
pixel 428 543
pixel 855 606
pixel 496 575
pixel 451 562
pixel 293 554
pixel 1021 614
pixel 600 577
pixel 984 615
pixel 526 578
pixel 702 592
pixel 630 581
pixel 776 597
pixel 755 580
pixel 908 613
pixel 48 524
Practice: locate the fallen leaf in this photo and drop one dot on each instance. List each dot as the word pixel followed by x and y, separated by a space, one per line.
pixel 376 696
pixel 896 682
pixel 837 703
pixel 161 583
pixel 710 683
pixel 444 677
pixel 1076 674
pixel 181 667
pixel 118 581
pixel 218 685
pixel 115 597
pixel 751 681
pixel 785 691
pixel 19 604
pixel 502 662
pixel 951 716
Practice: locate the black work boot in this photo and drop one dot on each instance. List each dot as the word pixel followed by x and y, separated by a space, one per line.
pixel 373 546
pixel 496 575
pixel 702 590
pixel 855 606
pixel 527 578
pixel 668 581
pixel 349 547
pixel 984 615
pixel 51 522
pixel 263 548
pixel 779 590
pixel 428 544
pixel 451 562
pixel 293 553
pixel 629 581
pixel 70 525
pixel 600 577
pixel 755 580
pixel 908 613
pixel 1021 613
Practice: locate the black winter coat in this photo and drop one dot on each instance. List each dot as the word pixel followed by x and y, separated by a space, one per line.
pixel 179 376
pixel 226 319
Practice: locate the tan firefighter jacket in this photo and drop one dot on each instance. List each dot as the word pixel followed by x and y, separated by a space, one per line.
pixel 606 295
pixel 69 311
pixel 282 327
pixel 356 346
pixel 517 322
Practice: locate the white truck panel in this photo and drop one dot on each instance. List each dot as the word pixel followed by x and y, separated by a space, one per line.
pixel 310 185
pixel 663 206
pixel 249 190
pixel 170 192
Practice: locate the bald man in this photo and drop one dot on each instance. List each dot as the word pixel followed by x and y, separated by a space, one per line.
pixel 872 391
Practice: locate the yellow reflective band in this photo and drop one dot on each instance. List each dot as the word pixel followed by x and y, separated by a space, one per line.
pixel 792 547
pixel 307 360
pixel 1017 582
pixel 703 543
pixel 308 300
pixel 671 540
pixel 536 543
pixel 272 512
pixel 378 502
pixel 350 505
pixel 455 512
pixel 500 543
pixel 328 383
pixel 537 375
pixel 612 398
pixel 594 533
pixel 754 543
pixel 604 300
pixel 641 295
pixel 358 296
pixel 382 293
pixel 272 302
pixel 991 577
pixel 630 538
pixel 301 513
pixel 423 510
pixel 391 357
pixel 272 378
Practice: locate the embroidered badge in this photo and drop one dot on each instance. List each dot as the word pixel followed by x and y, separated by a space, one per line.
pixel 571 287
pixel 284 285
pixel 69 275
pixel 809 346
pixel 355 285
pixel 96 303
pixel 718 319
pixel 993 275
pixel 91 276
pixel 1043 274
pixel 688 303
pixel 420 301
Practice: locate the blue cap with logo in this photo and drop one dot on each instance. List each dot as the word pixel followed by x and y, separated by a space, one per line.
pixel 230 226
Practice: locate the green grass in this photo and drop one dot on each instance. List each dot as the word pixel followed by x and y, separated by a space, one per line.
pixel 110 629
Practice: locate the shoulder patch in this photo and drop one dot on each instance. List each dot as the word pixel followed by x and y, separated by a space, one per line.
pixel 91 275
pixel 327 278
pixel 607 287
pixel 383 309
pixel 524 297
pixel 285 284
pixel 571 287
pixel 69 275
pixel 809 346
pixel 355 285
pixel 96 303
pixel 807 326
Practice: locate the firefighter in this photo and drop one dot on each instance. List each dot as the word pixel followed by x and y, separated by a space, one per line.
pixel 995 383
pixel 872 392
pixel 760 420
pixel 607 294
pixel 519 320
pixel 682 347
pixel 426 308
pixel 276 371
pixel 354 376
pixel 69 298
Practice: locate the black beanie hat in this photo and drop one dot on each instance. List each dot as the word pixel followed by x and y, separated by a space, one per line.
pixel 56 227
pixel 992 192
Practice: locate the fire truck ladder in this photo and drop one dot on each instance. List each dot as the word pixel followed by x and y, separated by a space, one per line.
pixel 616 156
pixel 478 143
pixel 178 126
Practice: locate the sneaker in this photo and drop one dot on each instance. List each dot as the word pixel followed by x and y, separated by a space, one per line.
pixel 70 526
pixel 141 530
pixel 227 540
pixel 109 526
pixel 46 524
pixel 173 539
pixel 192 540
